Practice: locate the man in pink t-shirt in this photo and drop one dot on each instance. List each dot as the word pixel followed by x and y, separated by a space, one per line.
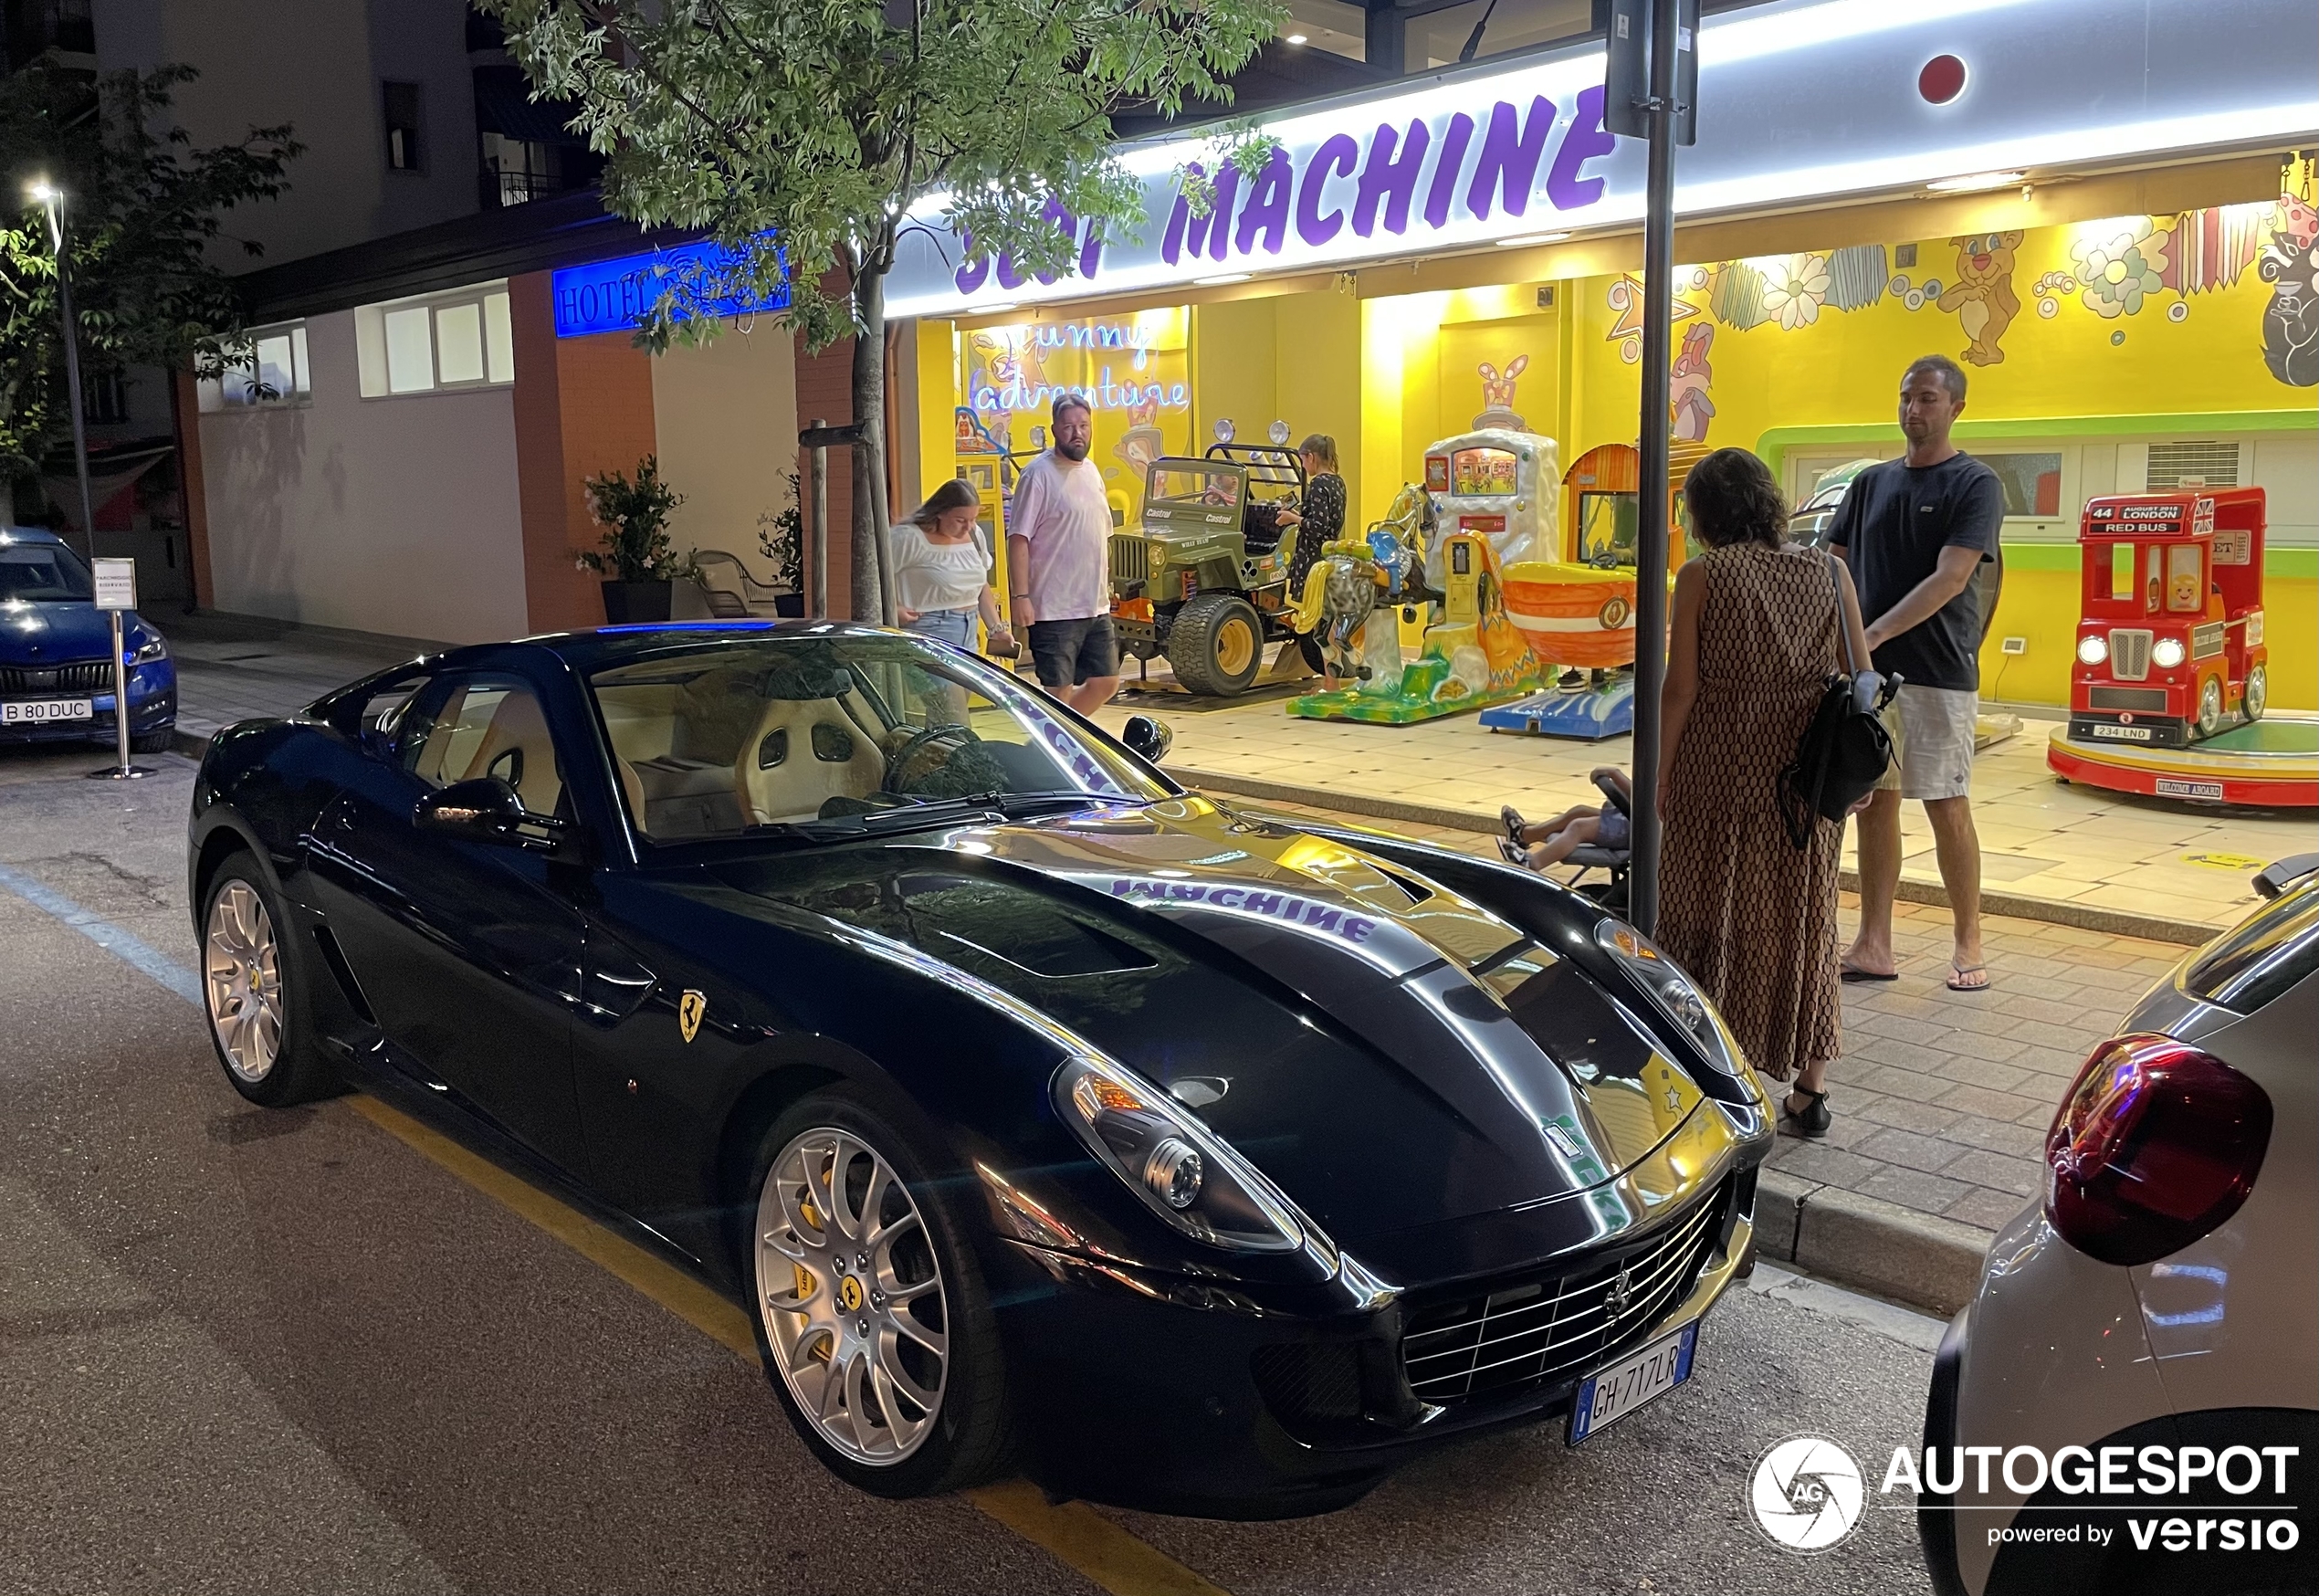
pixel 1058 540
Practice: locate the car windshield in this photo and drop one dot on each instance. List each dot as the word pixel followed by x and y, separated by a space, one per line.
pixel 41 571
pixel 1192 485
pixel 826 736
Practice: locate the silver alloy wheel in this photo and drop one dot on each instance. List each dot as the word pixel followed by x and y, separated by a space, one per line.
pixel 242 977
pixel 2210 708
pixel 852 1297
pixel 2256 694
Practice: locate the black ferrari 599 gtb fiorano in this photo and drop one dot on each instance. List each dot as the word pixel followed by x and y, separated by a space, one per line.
pixel 1042 1114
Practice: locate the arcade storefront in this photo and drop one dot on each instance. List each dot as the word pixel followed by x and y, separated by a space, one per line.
pixel 2128 287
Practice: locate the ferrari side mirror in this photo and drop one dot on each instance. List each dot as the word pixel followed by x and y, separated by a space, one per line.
pixel 1147 737
pixel 485 810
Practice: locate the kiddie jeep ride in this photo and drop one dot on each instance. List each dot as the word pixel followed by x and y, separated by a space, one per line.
pixel 2169 642
pixel 1202 579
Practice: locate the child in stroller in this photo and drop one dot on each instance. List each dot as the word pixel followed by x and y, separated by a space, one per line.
pixel 1583 835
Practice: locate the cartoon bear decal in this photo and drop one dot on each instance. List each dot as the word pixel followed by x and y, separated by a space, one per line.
pixel 2291 322
pixel 1981 298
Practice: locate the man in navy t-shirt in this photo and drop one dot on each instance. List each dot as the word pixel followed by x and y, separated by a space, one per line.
pixel 1915 530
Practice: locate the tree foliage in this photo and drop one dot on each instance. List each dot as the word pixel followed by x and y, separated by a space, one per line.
pixel 142 208
pixel 802 134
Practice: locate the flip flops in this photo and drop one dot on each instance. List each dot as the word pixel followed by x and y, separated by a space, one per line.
pixel 1958 973
pixel 1848 974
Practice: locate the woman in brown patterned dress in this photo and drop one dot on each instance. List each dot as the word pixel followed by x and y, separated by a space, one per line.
pixel 1749 650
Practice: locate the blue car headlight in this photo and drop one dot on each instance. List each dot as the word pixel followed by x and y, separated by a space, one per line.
pixel 1184 1172
pixel 1673 994
pixel 152 649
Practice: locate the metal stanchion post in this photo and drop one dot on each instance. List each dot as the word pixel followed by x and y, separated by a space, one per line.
pixel 116 593
pixel 818 471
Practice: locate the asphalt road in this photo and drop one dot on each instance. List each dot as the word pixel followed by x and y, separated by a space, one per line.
pixel 253 1352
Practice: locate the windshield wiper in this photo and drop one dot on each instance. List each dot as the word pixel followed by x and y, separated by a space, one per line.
pixel 929 812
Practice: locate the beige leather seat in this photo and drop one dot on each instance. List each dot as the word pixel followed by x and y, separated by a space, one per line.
pixel 803 752
pixel 518 727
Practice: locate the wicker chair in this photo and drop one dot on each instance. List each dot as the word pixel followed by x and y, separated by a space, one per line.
pixel 731 590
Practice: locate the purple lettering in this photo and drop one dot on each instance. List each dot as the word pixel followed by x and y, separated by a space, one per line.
pixel 1265 218
pixel 1389 182
pixel 1219 222
pixel 1065 223
pixel 1265 902
pixel 1009 277
pixel 1321 918
pixel 1508 164
pixel 1178 218
pixel 1228 897
pixel 1336 154
pixel 1121 886
pixel 1091 250
pixel 1454 138
pixel 1357 929
pixel 1184 892
pixel 1582 141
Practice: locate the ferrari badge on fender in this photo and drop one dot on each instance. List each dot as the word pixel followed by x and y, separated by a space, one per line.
pixel 690 1010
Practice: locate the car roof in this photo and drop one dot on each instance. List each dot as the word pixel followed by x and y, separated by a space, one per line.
pixel 30 535
pixel 588 652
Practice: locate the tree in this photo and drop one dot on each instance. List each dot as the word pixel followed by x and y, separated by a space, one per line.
pixel 141 207
pixel 800 134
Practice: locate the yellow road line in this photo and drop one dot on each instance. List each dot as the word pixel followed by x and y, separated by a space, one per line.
pixel 1073 1532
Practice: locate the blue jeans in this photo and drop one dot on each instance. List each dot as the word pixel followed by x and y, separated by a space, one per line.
pixel 955 628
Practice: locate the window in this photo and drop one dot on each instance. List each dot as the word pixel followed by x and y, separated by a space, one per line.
pixel 486 726
pixel 41 571
pixel 104 398
pixel 266 368
pixel 2032 482
pixel 460 340
pixel 404 151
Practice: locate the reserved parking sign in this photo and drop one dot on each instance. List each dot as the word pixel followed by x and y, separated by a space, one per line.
pixel 116 583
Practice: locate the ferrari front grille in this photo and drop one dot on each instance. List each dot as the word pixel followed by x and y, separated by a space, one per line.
pixel 1521 1334
pixel 1130 560
pixel 2130 654
pixel 89 676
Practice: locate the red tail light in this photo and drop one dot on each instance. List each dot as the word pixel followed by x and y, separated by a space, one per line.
pixel 2155 1145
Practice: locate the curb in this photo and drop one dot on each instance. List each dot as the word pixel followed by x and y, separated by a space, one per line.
pixel 1919 1259
pixel 194 745
pixel 2015 905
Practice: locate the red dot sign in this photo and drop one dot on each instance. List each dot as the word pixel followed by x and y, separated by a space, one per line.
pixel 1942 81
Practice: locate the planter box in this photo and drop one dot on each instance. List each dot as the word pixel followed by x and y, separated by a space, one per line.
pixel 632 602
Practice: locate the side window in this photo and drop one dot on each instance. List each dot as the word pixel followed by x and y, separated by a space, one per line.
pixel 473 726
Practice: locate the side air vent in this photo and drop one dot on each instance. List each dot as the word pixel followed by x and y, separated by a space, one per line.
pixel 343 973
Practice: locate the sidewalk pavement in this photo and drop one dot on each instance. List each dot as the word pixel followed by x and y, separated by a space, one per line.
pixel 2078 856
pixel 1941 1099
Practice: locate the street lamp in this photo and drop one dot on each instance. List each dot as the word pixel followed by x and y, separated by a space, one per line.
pixel 51 198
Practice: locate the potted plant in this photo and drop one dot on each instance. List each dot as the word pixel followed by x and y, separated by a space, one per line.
pixel 780 538
pixel 638 563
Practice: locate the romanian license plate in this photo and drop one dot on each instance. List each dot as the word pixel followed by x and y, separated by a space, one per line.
pixel 1612 1393
pixel 2123 733
pixel 41 711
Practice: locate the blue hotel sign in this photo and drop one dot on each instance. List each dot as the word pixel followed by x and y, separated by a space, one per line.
pixel 614 295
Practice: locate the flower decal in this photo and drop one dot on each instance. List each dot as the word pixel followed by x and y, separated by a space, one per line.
pixel 2120 267
pixel 1794 286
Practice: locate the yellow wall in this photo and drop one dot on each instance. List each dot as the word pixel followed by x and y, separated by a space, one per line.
pixel 937 406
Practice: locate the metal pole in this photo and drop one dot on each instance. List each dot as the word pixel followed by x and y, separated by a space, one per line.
pixel 1650 542
pixel 119 696
pixel 817 475
pixel 72 387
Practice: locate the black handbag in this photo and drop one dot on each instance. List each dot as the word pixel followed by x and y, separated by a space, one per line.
pixel 1845 750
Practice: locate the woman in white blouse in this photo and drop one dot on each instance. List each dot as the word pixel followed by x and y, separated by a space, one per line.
pixel 942 571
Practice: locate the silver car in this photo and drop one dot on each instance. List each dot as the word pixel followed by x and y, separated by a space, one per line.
pixel 2136 1385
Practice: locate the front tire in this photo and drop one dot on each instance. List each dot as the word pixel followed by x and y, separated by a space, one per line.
pixel 2255 697
pixel 871 1315
pixel 2210 706
pixel 253 991
pixel 1216 645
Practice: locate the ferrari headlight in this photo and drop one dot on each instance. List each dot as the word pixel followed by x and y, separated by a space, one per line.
pixel 1183 1172
pixel 1673 994
pixel 2092 649
pixel 2166 653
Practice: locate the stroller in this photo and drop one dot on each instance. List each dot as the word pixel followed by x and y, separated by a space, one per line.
pixel 1610 892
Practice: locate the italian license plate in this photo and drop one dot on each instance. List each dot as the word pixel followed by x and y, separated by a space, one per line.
pixel 1609 1395
pixel 40 712
pixel 2123 733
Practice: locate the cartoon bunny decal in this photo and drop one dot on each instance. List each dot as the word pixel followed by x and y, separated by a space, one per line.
pixel 1982 296
pixel 1497 395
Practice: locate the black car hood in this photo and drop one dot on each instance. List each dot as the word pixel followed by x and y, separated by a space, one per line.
pixel 1391 1053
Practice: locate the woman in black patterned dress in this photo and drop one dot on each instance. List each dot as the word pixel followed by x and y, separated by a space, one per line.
pixel 1749 651
pixel 1322 518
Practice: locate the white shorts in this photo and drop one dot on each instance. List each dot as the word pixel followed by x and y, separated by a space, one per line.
pixel 1932 733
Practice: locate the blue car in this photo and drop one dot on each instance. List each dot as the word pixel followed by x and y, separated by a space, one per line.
pixel 56 647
